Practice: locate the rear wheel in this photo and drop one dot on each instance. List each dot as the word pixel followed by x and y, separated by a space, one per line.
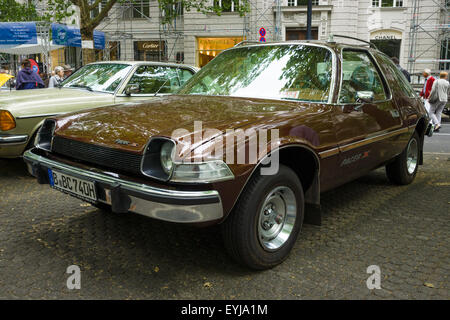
pixel 263 227
pixel 403 169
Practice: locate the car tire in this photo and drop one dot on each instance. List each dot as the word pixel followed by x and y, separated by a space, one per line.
pixel 403 169
pixel 103 206
pixel 265 223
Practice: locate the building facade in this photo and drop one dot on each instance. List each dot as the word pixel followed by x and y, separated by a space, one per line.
pixel 416 31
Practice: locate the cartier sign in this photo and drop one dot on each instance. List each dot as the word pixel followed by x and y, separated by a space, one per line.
pixel 149 45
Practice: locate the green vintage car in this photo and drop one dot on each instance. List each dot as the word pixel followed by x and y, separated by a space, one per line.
pixel 94 85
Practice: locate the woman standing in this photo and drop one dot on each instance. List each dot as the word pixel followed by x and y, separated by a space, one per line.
pixel 438 99
pixel 56 80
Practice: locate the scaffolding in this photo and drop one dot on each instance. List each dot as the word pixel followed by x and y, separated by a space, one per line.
pixel 171 34
pixel 425 25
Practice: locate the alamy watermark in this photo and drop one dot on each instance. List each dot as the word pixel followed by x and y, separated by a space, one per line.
pixel 374 281
pixel 234 146
pixel 74 280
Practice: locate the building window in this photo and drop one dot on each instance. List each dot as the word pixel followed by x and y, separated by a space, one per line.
pixel 295 3
pixel 139 9
pixel 387 3
pixel 176 9
pixel 96 11
pixel 445 55
pixel 227 5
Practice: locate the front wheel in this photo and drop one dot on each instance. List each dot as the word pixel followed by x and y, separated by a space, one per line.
pixel 403 169
pixel 264 225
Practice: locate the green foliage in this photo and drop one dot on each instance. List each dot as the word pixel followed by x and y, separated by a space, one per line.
pixel 11 11
pixel 203 6
pixel 56 11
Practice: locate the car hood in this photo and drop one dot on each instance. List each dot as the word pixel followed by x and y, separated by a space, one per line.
pixel 137 123
pixel 49 100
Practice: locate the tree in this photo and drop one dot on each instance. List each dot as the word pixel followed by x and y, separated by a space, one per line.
pixel 11 11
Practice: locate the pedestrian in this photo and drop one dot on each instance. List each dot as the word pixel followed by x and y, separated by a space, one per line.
pixel 67 71
pixel 438 99
pixel 399 67
pixel 55 81
pixel 427 86
pixel 27 78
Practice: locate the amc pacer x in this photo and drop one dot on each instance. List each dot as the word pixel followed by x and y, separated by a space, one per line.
pixel 318 114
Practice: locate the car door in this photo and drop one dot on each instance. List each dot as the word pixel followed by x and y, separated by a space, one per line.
pixel 153 80
pixel 365 114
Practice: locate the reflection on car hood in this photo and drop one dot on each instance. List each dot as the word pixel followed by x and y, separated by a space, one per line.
pixel 161 116
pixel 48 101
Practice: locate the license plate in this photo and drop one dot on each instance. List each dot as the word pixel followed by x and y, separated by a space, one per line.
pixel 78 187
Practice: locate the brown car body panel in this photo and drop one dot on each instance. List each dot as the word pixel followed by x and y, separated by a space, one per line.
pixel 348 140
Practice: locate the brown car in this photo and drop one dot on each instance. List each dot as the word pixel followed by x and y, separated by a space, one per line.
pixel 249 142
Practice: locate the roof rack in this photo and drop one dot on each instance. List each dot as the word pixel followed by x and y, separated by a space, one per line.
pixel 246 42
pixel 352 38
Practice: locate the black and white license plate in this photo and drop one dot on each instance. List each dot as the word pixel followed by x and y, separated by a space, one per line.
pixel 78 187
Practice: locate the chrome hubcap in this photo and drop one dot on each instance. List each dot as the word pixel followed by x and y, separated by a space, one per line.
pixel 412 156
pixel 277 218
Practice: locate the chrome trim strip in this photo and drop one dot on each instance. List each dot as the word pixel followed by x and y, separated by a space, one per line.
pixel 329 153
pixel 39 115
pixel 363 142
pixel 372 139
pixel 13 139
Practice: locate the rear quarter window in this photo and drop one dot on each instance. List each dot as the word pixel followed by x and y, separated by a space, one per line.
pixel 395 76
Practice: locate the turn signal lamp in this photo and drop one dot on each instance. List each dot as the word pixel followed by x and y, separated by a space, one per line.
pixel 7 121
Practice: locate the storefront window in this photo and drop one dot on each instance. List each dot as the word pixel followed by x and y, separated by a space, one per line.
pixel 150 50
pixel 300 33
pixel 209 48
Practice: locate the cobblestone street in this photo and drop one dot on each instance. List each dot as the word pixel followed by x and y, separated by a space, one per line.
pixel 403 230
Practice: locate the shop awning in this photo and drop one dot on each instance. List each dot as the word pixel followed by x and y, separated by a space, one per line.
pixel 28 48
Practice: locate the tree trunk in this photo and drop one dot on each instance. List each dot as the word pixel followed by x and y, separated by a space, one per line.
pixel 87 54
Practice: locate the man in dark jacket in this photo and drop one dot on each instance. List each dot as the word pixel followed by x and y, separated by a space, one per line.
pixel 27 78
pixel 405 73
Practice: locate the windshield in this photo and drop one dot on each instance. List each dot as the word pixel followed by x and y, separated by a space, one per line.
pixel 294 72
pixel 98 77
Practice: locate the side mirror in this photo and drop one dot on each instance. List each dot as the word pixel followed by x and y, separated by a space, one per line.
pixel 132 89
pixel 365 96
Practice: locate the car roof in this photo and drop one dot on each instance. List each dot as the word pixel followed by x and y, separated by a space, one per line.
pixel 330 44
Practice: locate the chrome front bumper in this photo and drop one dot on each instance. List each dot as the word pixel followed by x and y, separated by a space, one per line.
pixel 13 139
pixel 124 196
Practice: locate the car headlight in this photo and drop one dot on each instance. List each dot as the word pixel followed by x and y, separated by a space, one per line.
pixel 7 121
pixel 167 155
pixel 159 162
pixel 45 135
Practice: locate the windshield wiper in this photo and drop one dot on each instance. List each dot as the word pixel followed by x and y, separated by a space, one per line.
pixel 81 86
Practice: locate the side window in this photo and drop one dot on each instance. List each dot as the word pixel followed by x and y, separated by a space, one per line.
pixel 152 79
pixel 184 75
pixel 359 74
pixel 398 76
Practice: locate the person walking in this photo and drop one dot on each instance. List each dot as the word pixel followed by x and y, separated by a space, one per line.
pixel 427 86
pixel 438 99
pixel 27 78
pixel 56 80
pixel 399 67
